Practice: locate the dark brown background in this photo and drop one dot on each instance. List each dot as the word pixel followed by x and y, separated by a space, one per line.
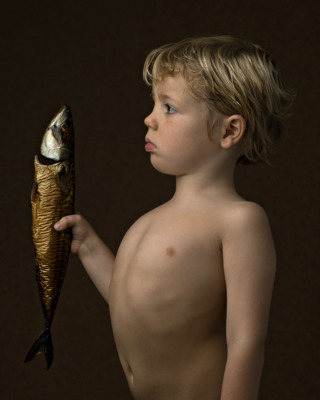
pixel 90 56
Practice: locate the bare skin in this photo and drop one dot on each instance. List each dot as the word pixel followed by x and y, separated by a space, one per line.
pixel 190 288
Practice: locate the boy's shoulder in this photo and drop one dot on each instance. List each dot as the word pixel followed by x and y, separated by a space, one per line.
pixel 243 217
pixel 246 235
pixel 244 209
pixel 222 218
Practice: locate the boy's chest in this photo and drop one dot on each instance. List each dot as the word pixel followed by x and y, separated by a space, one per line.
pixel 169 267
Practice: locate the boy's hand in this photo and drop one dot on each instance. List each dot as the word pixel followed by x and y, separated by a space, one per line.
pixel 81 230
pixel 95 256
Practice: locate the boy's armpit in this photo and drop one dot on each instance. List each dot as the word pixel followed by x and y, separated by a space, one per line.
pixel 249 262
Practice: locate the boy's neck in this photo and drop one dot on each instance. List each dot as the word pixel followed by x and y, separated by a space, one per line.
pixel 217 184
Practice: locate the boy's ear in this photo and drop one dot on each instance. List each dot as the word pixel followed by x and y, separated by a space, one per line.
pixel 233 130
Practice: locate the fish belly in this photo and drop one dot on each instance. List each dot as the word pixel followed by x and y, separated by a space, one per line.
pixel 53 199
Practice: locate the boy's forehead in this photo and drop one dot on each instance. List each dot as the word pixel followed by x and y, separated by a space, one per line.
pixel 169 84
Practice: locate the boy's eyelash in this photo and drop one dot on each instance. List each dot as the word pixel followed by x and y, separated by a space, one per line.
pixel 170 109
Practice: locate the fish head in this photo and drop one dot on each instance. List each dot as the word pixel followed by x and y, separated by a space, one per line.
pixel 58 139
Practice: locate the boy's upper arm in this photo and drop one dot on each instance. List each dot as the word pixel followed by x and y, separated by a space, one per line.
pixel 249 264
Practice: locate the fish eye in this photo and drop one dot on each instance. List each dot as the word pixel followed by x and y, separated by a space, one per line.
pixel 65 128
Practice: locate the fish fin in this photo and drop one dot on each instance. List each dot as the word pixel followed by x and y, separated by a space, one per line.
pixel 42 345
pixel 34 190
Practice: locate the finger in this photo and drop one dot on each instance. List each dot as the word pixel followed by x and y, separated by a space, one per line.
pixel 66 222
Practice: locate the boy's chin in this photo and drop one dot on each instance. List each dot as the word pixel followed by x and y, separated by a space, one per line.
pixel 166 169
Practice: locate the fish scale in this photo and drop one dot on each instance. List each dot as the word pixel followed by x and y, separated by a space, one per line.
pixel 52 198
pixel 51 247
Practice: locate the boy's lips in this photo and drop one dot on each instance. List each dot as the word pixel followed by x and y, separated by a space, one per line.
pixel 149 145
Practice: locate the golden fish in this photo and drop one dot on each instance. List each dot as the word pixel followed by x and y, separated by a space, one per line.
pixel 52 198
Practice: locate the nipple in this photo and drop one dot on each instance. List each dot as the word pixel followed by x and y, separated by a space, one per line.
pixel 170 251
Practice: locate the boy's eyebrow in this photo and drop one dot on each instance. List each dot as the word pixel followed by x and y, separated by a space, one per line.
pixel 162 96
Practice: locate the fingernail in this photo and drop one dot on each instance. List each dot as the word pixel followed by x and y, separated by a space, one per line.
pixel 56 226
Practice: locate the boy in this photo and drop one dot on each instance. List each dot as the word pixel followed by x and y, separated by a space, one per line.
pixel 190 288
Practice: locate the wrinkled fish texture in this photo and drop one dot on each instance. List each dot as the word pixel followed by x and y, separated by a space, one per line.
pixel 52 198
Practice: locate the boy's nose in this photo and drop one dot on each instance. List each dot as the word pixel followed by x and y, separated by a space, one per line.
pixel 150 121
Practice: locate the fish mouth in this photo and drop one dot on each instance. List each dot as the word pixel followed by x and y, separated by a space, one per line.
pixel 57 142
pixel 61 116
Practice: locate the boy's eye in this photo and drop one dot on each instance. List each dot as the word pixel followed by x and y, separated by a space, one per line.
pixel 170 109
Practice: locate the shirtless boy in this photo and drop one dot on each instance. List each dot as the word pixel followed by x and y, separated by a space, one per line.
pixel 189 290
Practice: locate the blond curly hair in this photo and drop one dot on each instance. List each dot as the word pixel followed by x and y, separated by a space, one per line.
pixel 232 76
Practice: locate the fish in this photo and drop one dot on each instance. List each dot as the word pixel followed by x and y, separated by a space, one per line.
pixel 52 197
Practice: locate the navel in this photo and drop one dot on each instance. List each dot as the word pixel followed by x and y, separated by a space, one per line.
pixel 170 251
pixel 129 372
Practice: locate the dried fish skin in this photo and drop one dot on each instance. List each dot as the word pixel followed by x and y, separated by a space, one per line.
pixel 51 202
pixel 52 198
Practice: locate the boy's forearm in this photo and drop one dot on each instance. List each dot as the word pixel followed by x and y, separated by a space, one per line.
pixel 243 371
pixel 98 261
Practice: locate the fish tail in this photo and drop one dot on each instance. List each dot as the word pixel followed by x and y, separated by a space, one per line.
pixel 42 345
